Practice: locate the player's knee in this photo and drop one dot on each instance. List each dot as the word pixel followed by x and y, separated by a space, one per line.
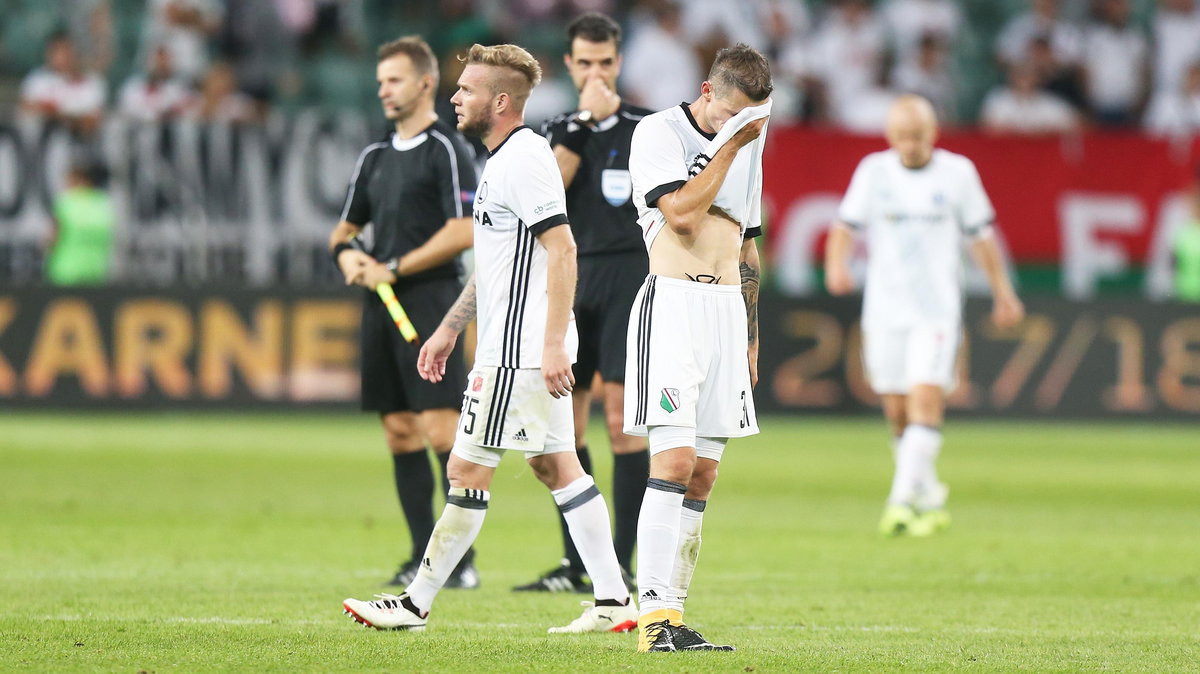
pixel 403 441
pixel 704 476
pixel 441 439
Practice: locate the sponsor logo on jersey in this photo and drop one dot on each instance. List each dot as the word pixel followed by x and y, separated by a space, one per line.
pixel 669 400
pixel 548 207
pixel 697 164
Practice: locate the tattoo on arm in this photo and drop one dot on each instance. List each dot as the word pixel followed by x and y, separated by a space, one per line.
pixel 750 295
pixel 463 311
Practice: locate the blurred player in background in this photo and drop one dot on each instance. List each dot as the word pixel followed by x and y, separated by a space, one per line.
pixel 415 191
pixel 518 395
pixel 915 203
pixel 591 145
pixel 693 341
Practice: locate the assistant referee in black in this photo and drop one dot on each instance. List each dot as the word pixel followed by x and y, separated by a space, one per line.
pixel 408 211
pixel 591 145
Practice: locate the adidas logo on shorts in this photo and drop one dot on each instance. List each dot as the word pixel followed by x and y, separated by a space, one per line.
pixel 520 436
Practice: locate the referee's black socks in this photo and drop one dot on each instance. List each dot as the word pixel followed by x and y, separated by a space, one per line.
pixel 414 486
pixel 630 473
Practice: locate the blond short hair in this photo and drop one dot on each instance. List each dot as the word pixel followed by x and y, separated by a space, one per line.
pixel 522 70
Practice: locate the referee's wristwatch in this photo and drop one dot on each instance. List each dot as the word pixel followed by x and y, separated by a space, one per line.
pixel 393 265
pixel 585 117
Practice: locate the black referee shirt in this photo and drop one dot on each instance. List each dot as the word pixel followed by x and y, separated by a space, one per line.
pixel 408 189
pixel 600 199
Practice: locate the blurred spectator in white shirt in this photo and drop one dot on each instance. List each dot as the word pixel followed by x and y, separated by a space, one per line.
pixel 1176 113
pixel 1116 64
pixel 62 91
pixel 1176 42
pixel 929 75
pixel 1023 108
pixel 1041 21
pixel 660 67
pixel 763 24
pixel 155 95
pixel 908 20
pixel 846 55
pixel 220 102
pixel 185 27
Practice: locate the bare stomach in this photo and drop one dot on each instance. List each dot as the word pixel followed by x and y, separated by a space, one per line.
pixel 709 255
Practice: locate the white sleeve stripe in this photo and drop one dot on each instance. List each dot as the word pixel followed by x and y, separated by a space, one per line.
pixel 354 178
pixel 458 209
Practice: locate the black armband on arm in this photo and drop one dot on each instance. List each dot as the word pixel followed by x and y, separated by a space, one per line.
pixel 337 251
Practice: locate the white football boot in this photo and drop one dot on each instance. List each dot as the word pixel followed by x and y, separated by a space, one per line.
pixel 601 619
pixel 386 612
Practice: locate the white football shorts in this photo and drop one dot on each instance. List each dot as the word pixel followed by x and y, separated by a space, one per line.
pixel 505 408
pixel 685 362
pixel 898 359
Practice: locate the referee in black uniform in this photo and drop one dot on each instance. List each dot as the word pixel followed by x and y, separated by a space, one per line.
pixel 414 189
pixel 591 145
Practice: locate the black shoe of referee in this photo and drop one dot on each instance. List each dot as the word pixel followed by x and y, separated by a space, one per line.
pixel 561 578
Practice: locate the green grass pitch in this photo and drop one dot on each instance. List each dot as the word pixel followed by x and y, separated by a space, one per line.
pixel 226 543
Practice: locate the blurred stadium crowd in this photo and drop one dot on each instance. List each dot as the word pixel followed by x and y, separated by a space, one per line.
pixel 1018 66
pixel 228 127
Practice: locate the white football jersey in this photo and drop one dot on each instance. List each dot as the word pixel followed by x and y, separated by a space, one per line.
pixel 666 151
pixel 914 221
pixel 520 195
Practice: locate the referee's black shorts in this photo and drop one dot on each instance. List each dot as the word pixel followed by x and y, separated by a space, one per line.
pixel 390 382
pixel 607 287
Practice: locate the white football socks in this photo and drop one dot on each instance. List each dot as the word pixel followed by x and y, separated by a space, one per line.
pixel 916 455
pixel 453 534
pixel 658 537
pixel 686 552
pixel 586 513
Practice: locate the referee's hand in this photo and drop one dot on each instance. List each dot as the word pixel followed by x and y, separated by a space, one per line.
pixel 435 352
pixel 556 369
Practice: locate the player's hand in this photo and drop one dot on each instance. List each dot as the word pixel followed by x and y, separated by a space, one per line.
pixel 838 280
pixel 556 370
pixel 1007 310
pixel 351 263
pixel 435 352
pixel 597 97
pixel 747 134
pixel 372 274
pixel 752 356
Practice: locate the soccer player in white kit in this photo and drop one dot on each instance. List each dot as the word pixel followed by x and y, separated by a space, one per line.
pixel 693 331
pixel 518 395
pixel 915 203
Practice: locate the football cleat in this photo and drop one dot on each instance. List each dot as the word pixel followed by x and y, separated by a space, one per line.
pixel 405 574
pixel 930 522
pixel 897 520
pixel 386 612
pixel 601 619
pixel 687 639
pixel 655 637
pixel 559 579
pixel 464 577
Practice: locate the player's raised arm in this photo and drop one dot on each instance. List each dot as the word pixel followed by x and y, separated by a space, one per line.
pixel 751 268
pixel 685 208
pixel 561 275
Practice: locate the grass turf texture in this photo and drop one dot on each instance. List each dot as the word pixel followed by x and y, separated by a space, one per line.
pixel 227 542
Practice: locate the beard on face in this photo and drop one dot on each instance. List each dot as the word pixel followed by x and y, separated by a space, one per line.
pixel 477 127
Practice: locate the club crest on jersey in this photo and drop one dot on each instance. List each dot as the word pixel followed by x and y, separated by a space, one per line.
pixel 616 186
pixel 669 400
